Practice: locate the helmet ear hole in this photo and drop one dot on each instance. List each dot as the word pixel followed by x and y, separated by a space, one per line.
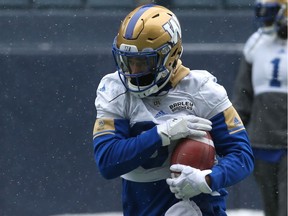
pixel 174 64
pixel 174 53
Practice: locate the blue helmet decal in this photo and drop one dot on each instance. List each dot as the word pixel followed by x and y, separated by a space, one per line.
pixel 134 19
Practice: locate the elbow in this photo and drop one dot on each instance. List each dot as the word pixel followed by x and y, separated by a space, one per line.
pixel 108 173
pixel 251 164
pixel 104 164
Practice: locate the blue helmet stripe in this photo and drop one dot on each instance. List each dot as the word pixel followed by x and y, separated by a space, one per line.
pixel 134 19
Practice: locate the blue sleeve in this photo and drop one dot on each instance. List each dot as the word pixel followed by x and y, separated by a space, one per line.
pixel 118 150
pixel 235 156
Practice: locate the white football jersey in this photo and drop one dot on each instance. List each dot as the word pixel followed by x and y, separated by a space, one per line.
pixel 260 95
pixel 197 94
pixel 127 144
pixel 268 56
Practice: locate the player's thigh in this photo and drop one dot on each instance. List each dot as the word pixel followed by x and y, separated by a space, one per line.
pixel 266 178
pixel 266 174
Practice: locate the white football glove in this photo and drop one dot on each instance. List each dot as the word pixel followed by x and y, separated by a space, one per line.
pixel 182 127
pixel 190 183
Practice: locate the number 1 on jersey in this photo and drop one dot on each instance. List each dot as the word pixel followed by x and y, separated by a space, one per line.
pixel 275 82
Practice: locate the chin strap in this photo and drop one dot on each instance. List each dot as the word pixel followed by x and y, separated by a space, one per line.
pixel 179 73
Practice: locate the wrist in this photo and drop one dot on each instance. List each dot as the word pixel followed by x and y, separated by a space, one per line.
pixel 208 180
pixel 164 136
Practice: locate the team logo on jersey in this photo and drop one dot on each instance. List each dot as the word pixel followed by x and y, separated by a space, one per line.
pixel 103 126
pixel 156 103
pixel 181 105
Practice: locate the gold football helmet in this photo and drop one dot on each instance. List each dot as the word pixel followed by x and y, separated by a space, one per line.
pixel 146 49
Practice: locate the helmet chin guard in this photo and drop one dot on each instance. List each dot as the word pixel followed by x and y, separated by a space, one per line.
pixel 148 90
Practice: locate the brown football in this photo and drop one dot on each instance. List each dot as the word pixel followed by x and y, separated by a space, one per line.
pixel 195 152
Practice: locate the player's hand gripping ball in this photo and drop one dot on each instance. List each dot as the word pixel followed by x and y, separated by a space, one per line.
pixel 197 152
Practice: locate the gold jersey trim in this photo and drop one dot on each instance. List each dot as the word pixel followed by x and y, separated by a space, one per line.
pixel 233 120
pixel 103 126
pixel 179 73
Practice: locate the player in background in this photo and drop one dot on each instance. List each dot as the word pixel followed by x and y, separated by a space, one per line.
pixel 260 97
pixel 165 3
pixel 151 102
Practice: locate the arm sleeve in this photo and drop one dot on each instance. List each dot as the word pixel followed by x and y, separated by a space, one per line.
pixel 117 148
pixel 243 91
pixel 116 154
pixel 235 157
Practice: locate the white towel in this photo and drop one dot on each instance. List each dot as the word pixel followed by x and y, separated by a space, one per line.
pixel 184 208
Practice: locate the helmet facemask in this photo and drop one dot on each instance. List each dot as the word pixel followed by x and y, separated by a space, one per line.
pixel 140 71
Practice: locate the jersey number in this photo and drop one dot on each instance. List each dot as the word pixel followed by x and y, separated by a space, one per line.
pixel 274 81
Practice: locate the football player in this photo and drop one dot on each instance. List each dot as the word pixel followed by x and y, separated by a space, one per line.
pixel 262 84
pixel 151 102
